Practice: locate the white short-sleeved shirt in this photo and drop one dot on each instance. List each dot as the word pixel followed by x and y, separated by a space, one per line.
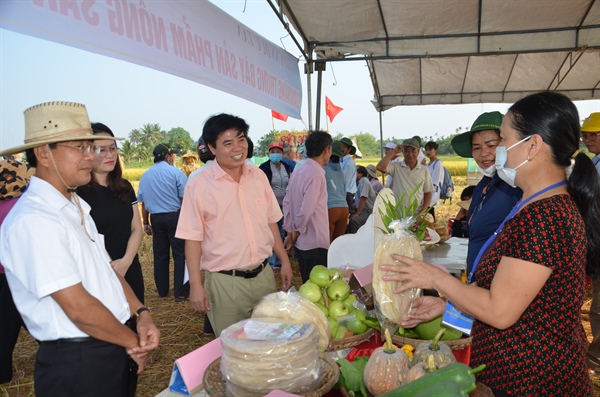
pixel 436 169
pixel 406 179
pixel 349 168
pixel 44 249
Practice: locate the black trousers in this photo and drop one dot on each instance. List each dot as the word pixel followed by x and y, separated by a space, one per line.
pixel 350 202
pixel 163 243
pixel 135 278
pixel 309 259
pixel 81 369
pixel 9 330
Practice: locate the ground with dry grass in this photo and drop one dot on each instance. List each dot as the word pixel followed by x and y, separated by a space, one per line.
pixel 181 327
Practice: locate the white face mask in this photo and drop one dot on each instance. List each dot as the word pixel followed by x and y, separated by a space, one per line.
pixel 508 175
pixel 489 171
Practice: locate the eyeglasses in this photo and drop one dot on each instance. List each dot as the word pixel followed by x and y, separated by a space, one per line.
pixel 84 148
pixel 103 151
pixel 590 136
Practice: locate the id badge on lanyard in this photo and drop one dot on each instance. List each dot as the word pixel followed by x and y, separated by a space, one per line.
pixel 453 317
pixel 456 319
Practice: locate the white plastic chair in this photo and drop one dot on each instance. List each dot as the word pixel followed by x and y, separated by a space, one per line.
pixel 354 250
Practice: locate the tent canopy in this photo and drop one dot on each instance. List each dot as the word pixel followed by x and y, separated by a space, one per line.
pixel 458 51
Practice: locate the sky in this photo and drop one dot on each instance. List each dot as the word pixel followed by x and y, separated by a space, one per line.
pixel 126 96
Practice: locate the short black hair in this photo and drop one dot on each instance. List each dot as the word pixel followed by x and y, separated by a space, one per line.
pixel 204 152
pixel 432 145
pixel 250 148
pixel 216 125
pixel 316 142
pixel 360 169
pixel 467 192
pixel 30 155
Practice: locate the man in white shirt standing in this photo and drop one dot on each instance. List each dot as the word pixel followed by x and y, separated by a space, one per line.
pixel 389 148
pixel 409 174
pixel 59 272
pixel 349 169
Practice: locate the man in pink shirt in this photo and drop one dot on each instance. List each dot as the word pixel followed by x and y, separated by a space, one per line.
pixel 305 206
pixel 229 221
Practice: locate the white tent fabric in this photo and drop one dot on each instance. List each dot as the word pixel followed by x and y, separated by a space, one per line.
pixel 458 51
pixel 194 40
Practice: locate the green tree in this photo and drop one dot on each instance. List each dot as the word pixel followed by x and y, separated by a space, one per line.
pixel 180 139
pixel 147 138
pixel 136 137
pixel 261 148
pixel 127 151
pixel 368 144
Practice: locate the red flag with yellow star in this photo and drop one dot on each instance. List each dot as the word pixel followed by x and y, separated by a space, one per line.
pixel 331 110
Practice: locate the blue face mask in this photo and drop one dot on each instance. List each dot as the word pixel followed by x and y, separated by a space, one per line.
pixel 275 157
pixel 508 175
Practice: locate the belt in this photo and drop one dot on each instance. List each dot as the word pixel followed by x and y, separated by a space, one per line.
pixel 70 340
pixel 245 273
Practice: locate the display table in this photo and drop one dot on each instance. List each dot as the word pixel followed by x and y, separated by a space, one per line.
pixel 365 348
pixel 452 254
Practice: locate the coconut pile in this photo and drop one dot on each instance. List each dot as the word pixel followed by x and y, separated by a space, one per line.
pixel 265 354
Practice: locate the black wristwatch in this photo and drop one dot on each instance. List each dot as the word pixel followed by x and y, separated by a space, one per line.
pixel 140 310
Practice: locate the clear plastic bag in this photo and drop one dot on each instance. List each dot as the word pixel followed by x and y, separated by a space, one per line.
pixel 264 354
pixel 391 307
pixel 293 306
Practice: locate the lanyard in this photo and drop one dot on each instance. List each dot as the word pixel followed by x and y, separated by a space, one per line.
pixel 515 209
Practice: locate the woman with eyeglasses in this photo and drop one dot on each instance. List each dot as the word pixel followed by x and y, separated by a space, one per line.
pixel 115 210
pixel 117 217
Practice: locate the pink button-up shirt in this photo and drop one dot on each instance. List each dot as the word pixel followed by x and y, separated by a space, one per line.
pixel 305 206
pixel 231 219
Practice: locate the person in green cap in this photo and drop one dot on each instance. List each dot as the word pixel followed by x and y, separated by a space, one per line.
pixel 492 198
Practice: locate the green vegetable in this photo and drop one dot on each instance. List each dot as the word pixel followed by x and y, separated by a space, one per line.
pixel 351 376
pixel 372 322
pixel 447 388
pixel 427 330
pixel 456 373
pixel 407 333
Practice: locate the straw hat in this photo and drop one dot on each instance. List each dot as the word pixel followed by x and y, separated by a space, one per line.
pixel 465 204
pixel 371 170
pixel 53 122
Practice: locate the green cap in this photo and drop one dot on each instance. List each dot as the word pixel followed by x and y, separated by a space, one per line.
pixel 348 142
pixel 487 121
pixel 412 142
pixel 337 149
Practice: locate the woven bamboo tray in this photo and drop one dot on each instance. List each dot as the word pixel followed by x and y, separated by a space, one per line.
pixel 352 341
pixel 214 384
pixel 457 344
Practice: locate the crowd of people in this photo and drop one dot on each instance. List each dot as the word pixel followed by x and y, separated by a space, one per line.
pixel 532 224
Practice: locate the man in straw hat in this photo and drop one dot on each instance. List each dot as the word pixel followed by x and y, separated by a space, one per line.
pixel 59 272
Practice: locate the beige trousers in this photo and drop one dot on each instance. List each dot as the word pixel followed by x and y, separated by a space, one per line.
pixel 233 298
